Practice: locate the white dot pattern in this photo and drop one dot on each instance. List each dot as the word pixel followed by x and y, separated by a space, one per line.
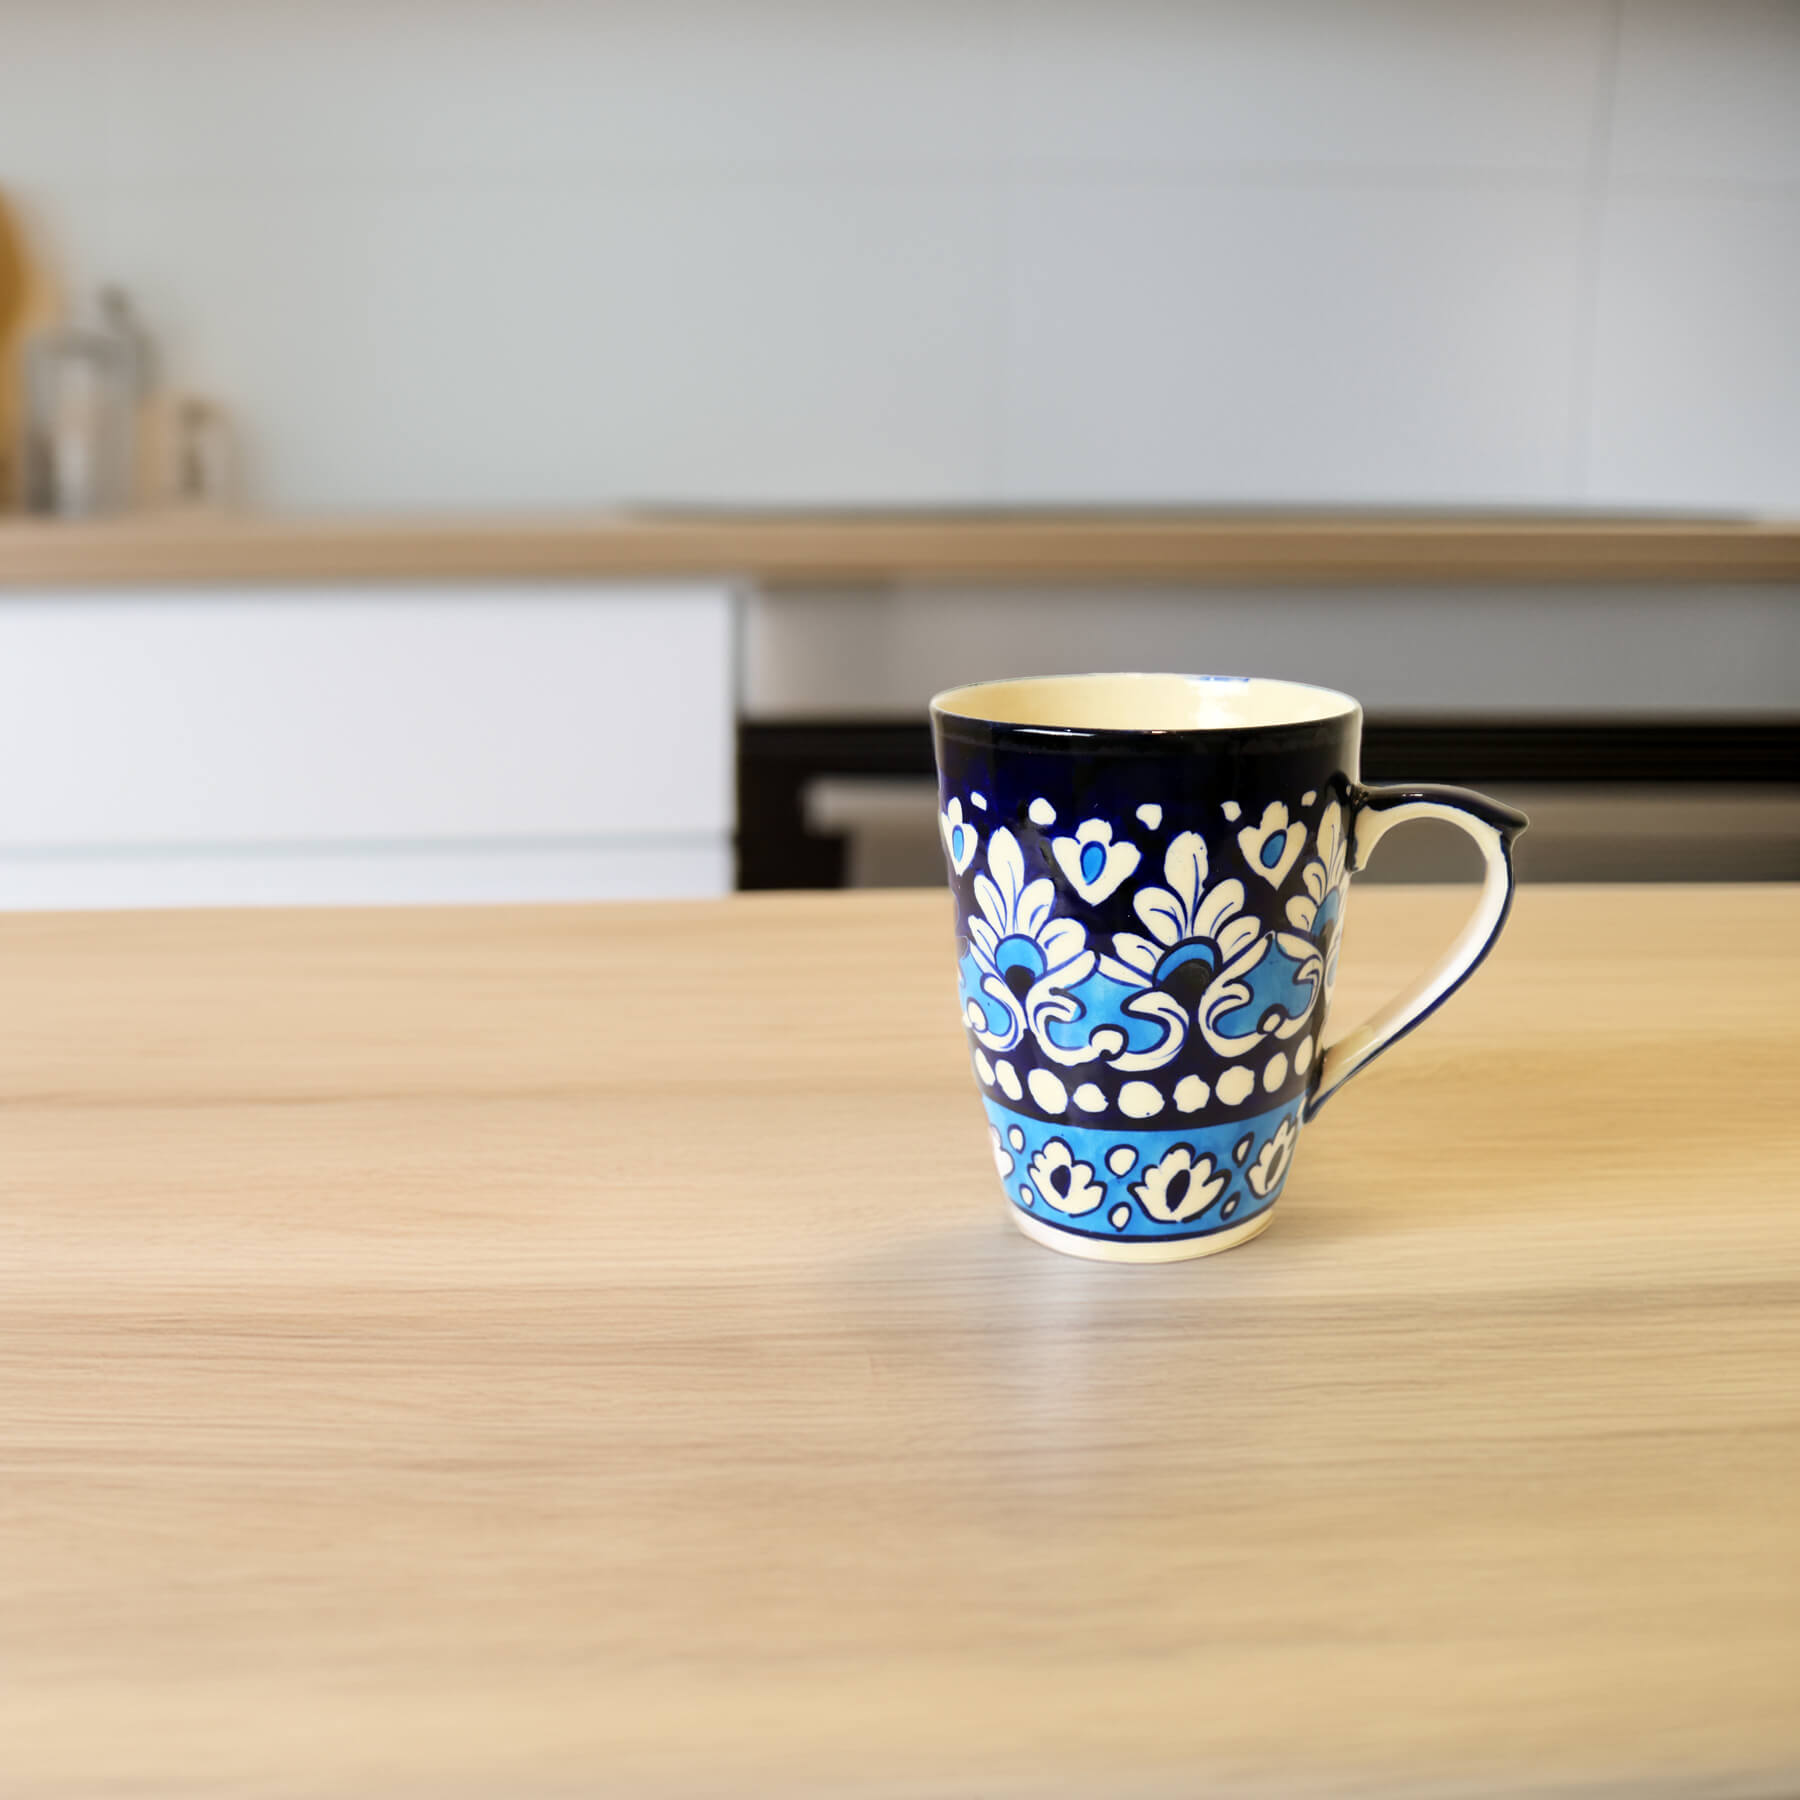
pixel 1190 1094
pixel 1234 1086
pixel 1140 1100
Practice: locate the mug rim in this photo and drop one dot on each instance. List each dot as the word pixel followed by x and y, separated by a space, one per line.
pixel 1181 705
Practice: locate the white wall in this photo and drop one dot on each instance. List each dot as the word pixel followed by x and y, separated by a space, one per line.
pixel 524 252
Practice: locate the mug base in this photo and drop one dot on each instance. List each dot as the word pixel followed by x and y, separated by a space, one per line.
pixel 1072 1243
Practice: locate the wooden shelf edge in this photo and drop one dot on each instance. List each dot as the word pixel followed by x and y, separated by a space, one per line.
pixel 868 549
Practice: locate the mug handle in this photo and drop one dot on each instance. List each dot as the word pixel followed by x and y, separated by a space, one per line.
pixel 1374 812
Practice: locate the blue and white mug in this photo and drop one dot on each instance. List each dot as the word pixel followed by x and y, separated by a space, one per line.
pixel 1150 874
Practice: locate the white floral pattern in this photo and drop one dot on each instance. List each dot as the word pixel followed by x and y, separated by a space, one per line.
pixel 1265 1174
pixel 1093 863
pixel 960 838
pixel 1196 934
pixel 1063 1182
pixel 1002 1158
pixel 1320 910
pixel 1286 1001
pixel 1028 959
pixel 1161 962
pixel 1324 871
pixel 1272 847
pixel 1181 1186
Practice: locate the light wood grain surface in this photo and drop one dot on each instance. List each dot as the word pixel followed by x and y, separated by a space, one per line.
pixel 848 548
pixel 553 1352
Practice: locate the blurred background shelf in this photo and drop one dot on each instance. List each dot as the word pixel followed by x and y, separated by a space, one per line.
pixel 899 545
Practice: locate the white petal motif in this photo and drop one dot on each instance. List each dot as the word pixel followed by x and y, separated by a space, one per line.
pixel 1323 873
pixel 1006 864
pixel 1331 846
pixel 1169 914
pixel 1010 907
pixel 1062 942
pixel 996 908
pixel 983 939
pixel 960 839
pixel 1002 1160
pixel 1265 1174
pixel 1091 849
pixel 1064 1183
pixel 1034 908
pixel 1222 905
pixel 1184 868
pixel 1139 956
pixel 1273 847
pixel 1179 1187
pixel 1162 915
pixel 1237 937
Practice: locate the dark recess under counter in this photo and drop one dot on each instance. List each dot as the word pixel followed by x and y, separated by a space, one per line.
pixel 777 760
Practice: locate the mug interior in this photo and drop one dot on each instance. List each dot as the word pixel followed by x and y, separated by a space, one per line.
pixel 1144 702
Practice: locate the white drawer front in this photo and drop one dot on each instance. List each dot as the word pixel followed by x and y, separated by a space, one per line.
pixel 80 881
pixel 462 718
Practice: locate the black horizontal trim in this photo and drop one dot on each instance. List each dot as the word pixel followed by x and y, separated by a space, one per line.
pixel 1660 752
pixel 776 759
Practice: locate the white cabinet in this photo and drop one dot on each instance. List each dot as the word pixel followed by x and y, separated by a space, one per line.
pixel 391 743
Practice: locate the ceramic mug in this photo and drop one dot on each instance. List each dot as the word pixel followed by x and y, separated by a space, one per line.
pixel 1150 874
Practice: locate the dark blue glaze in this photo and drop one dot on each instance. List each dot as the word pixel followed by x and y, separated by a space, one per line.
pixel 1044 785
pixel 1148 928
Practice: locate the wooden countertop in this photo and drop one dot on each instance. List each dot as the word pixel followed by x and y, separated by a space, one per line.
pixel 580 1351
pixel 849 548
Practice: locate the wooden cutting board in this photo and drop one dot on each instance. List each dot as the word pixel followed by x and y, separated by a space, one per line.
pixel 14 294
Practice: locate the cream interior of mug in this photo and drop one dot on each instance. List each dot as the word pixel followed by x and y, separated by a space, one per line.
pixel 1144 702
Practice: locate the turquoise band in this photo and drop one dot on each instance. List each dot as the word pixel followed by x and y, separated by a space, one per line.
pixel 1128 1186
